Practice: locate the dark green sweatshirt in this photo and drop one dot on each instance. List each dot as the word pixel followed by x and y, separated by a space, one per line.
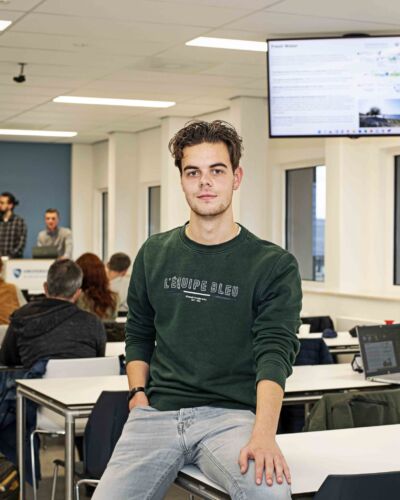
pixel 223 317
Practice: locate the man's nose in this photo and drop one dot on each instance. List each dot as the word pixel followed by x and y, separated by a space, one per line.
pixel 205 179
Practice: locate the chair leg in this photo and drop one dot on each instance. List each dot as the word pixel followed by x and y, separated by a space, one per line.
pixel 33 464
pixel 54 484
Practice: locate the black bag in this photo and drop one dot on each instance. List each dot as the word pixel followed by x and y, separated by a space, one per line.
pixel 9 480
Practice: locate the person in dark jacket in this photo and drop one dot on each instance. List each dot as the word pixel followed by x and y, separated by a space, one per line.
pixel 54 327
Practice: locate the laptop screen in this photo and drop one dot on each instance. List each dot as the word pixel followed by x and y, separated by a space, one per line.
pixel 380 349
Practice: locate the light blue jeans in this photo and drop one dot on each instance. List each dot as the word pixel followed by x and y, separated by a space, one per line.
pixel 155 445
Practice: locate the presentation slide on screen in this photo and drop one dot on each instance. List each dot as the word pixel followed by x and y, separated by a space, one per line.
pixel 334 87
pixel 380 355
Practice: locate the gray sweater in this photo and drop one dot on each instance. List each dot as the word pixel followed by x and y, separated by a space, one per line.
pixel 51 329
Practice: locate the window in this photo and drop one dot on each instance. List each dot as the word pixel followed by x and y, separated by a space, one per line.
pixel 397 220
pixel 154 211
pixel 305 220
pixel 104 225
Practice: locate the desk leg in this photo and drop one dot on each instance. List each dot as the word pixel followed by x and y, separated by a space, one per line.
pixel 21 419
pixel 69 456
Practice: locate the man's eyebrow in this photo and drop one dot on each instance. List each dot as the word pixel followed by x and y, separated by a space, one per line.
pixel 213 165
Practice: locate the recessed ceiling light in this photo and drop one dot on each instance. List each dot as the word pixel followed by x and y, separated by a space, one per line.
pixel 4 24
pixel 228 43
pixel 105 101
pixel 37 133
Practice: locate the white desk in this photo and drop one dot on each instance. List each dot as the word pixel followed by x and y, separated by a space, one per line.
pixel 75 397
pixel 312 456
pixel 344 343
pixel 308 383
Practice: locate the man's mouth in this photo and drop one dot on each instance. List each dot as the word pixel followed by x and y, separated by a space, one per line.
pixel 207 196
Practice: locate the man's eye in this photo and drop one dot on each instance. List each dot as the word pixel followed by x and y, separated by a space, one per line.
pixel 192 173
pixel 217 171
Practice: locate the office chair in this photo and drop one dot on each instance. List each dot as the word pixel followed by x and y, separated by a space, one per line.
pixel 102 432
pixel 363 486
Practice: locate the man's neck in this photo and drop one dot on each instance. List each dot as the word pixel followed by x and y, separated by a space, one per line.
pixel 213 230
pixel 7 215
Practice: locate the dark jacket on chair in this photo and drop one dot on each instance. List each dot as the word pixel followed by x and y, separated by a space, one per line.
pixel 51 329
pixel 356 409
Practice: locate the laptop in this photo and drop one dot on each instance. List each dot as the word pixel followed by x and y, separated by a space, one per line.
pixel 380 352
pixel 45 252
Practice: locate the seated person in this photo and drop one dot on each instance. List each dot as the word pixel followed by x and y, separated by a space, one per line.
pixel 117 267
pixel 54 327
pixel 55 235
pixel 96 296
pixel 11 298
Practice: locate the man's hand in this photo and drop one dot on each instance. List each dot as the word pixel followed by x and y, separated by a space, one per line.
pixel 139 399
pixel 267 456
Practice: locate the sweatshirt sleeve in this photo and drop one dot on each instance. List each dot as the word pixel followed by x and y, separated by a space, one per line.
pixel 277 320
pixel 140 330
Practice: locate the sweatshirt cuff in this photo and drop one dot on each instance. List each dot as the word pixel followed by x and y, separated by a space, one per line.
pixel 275 373
pixel 135 354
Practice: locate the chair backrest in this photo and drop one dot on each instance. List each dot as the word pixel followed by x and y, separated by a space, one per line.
pixel 82 367
pixel 366 486
pixel 103 430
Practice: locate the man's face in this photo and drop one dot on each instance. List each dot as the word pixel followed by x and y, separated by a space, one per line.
pixel 207 178
pixel 51 220
pixel 5 204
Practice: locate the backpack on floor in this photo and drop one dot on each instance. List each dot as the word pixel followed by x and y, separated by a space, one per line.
pixel 9 480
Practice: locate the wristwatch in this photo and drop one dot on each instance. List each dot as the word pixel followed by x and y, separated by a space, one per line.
pixel 133 391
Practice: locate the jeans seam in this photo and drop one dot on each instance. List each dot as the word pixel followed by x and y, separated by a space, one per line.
pixel 224 471
pixel 156 485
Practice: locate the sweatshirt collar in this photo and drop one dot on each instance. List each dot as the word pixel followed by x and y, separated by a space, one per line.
pixel 221 247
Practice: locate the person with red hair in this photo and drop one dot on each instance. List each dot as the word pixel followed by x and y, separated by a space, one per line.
pixel 96 296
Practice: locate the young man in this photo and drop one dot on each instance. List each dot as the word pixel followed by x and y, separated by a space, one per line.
pixel 13 229
pixel 55 235
pixel 117 268
pixel 223 307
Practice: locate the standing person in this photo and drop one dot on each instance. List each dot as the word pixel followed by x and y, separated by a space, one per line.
pixel 13 230
pixel 117 268
pixel 96 296
pixel 55 235
pixel 210 339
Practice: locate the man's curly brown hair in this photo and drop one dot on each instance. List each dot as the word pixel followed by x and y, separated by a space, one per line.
pixel 196 132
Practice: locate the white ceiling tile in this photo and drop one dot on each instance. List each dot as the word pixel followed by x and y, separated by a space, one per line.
pixel 274 23
pixel 247 5
pixel 21 5
pixel 376 11
pixel 184 14
pixel 84 46
pixel 94 27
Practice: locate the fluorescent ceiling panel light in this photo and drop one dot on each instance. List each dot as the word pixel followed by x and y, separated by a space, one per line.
pixel 4 24
pixel 228 43
pixel 104 101
pixel 37 133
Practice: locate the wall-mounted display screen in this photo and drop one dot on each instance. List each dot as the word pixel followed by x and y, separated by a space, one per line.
pixel 328 87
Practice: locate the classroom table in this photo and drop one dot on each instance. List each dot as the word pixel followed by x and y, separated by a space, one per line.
pixel 344 343
pixel 312 456
pixel 75 397
pixel 115 348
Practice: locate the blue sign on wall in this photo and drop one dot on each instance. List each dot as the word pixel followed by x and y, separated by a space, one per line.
pixel 39 176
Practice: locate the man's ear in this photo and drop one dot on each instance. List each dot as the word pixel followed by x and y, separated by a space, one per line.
pixel 237 177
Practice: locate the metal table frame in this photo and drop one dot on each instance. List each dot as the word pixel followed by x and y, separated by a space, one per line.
pixel 70 413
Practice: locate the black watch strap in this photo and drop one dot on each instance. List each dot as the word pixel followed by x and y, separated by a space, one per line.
pixel 135 390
